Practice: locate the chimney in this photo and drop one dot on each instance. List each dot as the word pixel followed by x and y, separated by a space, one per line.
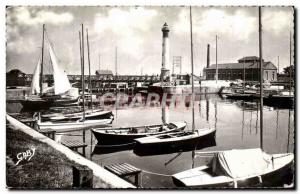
pixel 207 65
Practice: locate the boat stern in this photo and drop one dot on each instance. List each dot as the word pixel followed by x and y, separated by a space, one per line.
pixel 179 125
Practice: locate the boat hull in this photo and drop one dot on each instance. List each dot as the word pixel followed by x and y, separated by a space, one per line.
pixel 267 179
pixel 280 101
pixel 115 138
pixel 38 104
pixel 194 143
pixel 73 126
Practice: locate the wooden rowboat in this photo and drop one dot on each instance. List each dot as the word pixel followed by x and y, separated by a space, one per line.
pixel 175 141
pixel 128 134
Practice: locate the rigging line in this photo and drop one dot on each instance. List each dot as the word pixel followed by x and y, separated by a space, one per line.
pixel 158 174
pixel 108 157
pixel 176 156
pixel 51 44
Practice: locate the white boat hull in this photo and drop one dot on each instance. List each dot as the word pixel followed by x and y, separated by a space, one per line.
pixel 201 176
pixel 73 126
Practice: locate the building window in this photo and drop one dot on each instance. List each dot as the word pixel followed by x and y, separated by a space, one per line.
pixel 273 75
pixel 267 74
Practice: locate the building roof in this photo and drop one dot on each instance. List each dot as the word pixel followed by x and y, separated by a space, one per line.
pixel 104 72
pixel 251 65
pixel 249 58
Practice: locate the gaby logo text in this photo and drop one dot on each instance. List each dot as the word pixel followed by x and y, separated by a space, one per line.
pixel 27 155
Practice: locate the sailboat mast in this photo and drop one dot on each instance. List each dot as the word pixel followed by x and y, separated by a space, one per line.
pixel 99 61
pixel 217 71
pixel 192 63
pixel 290 63
pixel 90 81
pixel 261 78
pixel 82 70
pixel 116 61
pixel 278 72
pixel 244 80
pixel 42 61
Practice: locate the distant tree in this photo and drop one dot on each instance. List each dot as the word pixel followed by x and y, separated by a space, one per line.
pixel 287 70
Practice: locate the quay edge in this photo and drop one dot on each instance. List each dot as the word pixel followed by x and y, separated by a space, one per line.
pixel 106 176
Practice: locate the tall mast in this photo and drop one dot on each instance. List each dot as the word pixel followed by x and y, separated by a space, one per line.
pixel 82 70
pixel 244 80
pixel 99 61
pixel 90 81
pixel 261 78
pixel 216 58
pixel 42 62
pixel 278 71
pixel 192 63
pixel 116 61
pixel 290 62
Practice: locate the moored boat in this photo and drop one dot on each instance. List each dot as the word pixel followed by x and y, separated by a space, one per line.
pixel 41 96
pixel 89 114
pixel 128 134
pixel 64 126
pixel 237 168
pixel 175 141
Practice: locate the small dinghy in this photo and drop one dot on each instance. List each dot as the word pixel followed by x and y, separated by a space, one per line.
pixel 89 114
pixel 72 123
pixel 237 168
pixel 128 134
pixel 175 140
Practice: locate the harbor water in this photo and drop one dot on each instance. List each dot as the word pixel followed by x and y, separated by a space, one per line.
pixel 236 123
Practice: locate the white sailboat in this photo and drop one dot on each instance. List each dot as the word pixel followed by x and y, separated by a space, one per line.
pixel 239 168
pixel 79 120
pixel 44 97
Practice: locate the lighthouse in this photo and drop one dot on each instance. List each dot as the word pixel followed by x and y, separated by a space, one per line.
pixel 165 72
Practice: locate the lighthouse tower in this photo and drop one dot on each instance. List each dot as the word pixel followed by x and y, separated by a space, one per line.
pixel 165 72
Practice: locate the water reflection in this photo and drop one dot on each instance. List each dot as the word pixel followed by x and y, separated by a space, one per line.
pixel 236 123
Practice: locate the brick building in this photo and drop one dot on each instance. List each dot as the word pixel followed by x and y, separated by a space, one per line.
pixel 249 65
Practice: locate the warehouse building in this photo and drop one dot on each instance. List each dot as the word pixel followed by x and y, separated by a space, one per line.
pixel 248 66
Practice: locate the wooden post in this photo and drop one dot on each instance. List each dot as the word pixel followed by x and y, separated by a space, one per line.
pixel 82 177
pixel 137 180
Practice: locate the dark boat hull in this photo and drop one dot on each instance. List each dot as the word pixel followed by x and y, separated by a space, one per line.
pixel 46 104
pixel 176 146
pixel 280 101
pixel 117 139
pixel 110 139
pixel 247 97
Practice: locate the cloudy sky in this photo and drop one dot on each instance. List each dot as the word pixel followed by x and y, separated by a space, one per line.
pixel 136 32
